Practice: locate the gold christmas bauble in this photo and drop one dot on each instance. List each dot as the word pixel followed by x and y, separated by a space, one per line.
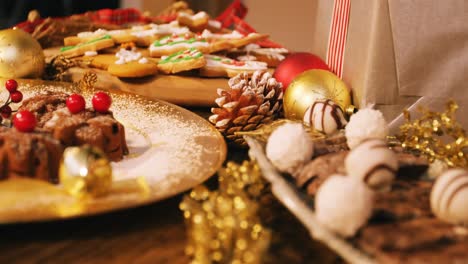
pixel 85 170
pixel 21 56
pixel 313 85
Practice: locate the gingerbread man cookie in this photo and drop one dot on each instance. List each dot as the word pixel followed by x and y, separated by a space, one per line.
pixel 218 66
pixel 183 60
pixel 91 45
pixel 196 23
pixel 235 38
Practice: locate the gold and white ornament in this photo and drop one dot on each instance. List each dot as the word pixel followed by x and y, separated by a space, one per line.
pixel 311 86
pixel 449 196
pixel 21 56
pixel 325 116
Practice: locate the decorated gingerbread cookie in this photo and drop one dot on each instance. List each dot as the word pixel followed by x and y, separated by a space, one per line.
pixel 130 63
pixel 217 66
pixel 172 44
pixel 235 38
pixel 183 60
pixel 196 23
pixel 91 45
pixel 253 52
pixel 119 36
pixel 147 34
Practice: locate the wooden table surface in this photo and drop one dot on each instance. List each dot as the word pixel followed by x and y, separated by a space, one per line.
pixel 148 234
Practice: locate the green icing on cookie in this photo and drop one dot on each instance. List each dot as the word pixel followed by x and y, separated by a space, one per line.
pixel 184 55
pixel 162 42
pixel 85 43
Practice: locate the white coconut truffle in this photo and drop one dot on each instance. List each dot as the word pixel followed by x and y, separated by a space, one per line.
pixel 343 204
pixel 325 116
pixel 366 123
pixel 449 196
pixel 373 163
pixel 289 146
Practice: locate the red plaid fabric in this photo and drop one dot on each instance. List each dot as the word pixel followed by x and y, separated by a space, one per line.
pixel 118 16
pixel 235 9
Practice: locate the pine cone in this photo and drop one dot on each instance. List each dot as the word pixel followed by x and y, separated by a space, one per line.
pixel 248 104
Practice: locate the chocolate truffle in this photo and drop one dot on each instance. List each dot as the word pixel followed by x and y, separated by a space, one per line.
pixel 343 204
pixel 373 163
pixel 289 146
pixel 449 196
pixel 325 116
pixel 366 123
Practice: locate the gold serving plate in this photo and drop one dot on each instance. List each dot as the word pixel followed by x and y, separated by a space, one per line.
pixel 171 151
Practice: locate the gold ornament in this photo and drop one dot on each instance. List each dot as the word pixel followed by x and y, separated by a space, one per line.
pixel 313 85
pixel 21 56
pixel 223 225
pixel 85 170
pixel 438 136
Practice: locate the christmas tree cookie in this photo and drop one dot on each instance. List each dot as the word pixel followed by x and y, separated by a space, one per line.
pixel 175 43
pixel 184 60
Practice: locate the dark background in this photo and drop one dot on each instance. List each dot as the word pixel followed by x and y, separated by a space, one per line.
pixel 13 12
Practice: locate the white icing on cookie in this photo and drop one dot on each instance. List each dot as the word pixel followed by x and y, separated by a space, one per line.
pixel 214 24
pixel 247 58
pixel 233 35
pixel 199 15
pixel 176 42
pixel 101 32
pixel 125 56
pixel 90 53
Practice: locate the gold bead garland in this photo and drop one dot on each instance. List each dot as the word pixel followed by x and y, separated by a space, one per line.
pixel 438 136
pixel 223 225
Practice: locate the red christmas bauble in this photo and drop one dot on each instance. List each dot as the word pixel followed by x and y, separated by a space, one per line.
pixel 295 64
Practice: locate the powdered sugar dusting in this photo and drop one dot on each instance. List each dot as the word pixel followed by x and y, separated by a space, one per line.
pixel 166 145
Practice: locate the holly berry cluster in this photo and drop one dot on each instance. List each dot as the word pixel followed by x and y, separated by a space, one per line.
pixel 25 121
pixel 101 103
pixel 14 97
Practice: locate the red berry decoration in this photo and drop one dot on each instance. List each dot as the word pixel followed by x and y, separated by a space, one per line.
pixel 76 103
pixel 5 111
pixel 101 102
pixel 11 85
pixel 24 121
pixel 16 96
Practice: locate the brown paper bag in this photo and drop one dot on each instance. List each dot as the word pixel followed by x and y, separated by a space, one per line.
pixel 399 48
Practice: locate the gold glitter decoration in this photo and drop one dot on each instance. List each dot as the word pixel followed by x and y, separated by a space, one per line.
pixel 223 225
pixel 85 170
pixel 438 136
pixel 264 131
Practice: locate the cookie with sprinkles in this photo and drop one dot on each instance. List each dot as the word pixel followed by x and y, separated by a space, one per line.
pixel 184 60
pixel 218 66
pixel 175 43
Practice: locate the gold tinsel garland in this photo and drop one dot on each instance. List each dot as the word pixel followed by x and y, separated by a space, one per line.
pixel 223 225
pixel 436 135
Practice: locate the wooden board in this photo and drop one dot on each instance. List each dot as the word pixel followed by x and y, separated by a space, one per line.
pixel 180 90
